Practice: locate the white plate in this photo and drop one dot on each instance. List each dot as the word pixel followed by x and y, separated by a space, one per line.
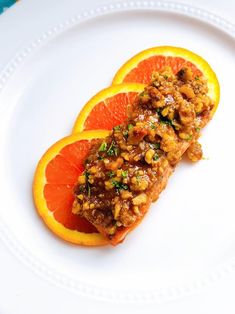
pixel 187 241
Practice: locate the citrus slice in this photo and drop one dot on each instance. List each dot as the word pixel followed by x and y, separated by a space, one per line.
pixel 108 108
pixel 139 69
pixel 55 177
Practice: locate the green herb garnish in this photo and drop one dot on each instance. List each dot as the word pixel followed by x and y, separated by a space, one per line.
pixel 110 174
pixel 130 126
pixel 103 147
pixel 197 78
pixel 117 128
pixel 100 158
pixel 138 178
pixel 165 77
pixel 124 173
pixel 86 174
pixel 125 133
pixel 164 120
pixel 155 157
pixel 81 188
pixel 88 190
pixel 197 129
pixel 113 150
pixel 119 185
pixel 156 145
pixel 152 125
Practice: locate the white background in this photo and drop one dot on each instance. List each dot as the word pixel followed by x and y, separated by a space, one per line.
pixel 36 295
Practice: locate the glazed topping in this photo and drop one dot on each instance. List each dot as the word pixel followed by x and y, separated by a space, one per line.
pixel 122 169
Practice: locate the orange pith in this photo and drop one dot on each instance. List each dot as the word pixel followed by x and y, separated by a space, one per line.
pixel 54 181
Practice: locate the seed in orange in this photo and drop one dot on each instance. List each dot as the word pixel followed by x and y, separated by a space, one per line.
pixel 139 69
pixel 55 177
pixel 108 108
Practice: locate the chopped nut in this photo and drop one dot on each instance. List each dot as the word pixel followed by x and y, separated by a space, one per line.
pixel 184 136
pixel 139 183
pixel 114 165
pixel 194 152
pixel 136 210
pixel 76 208
pixel 111 230
pixel 117 209
pixel 91 179
pixel 137 158
pixel 187 91
pixel 185 74
pixel 80 197
pixel 125 156
pixel 82 179
pixel 158 103
pixel 93 169
pixel 119 173
pixel 86 206
pixel 126 194
pixel 108 185
pixel 149 156
pixel 165 111
pixel 140 199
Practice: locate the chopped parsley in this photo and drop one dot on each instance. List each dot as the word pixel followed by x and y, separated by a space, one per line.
pixel 197 78
pixel 117 128
pixel 125 133
pixel 110 174
pixel 155 145
pixel 197 129
pixel 86 174
pixel 165 77
pixel 113 149
pixel 163 120
pixel 138 178
pixel 103 147
pixel 119 185
pixel 81 188
pixel 100 158
pixel 124 173
pixel 152 125
pixel 89 190
pixel 88 187
pixel 166 121
pixel 130 126
pixel 155 157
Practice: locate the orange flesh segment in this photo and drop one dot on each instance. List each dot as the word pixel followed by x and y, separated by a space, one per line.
pixel 62 173
pixel 109 113
pixel 144 70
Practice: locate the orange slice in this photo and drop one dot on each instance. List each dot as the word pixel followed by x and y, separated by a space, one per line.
pixel 108 108
pixel 139 68
pixel 56 174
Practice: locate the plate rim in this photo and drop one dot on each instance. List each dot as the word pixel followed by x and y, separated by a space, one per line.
pixel 8 237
